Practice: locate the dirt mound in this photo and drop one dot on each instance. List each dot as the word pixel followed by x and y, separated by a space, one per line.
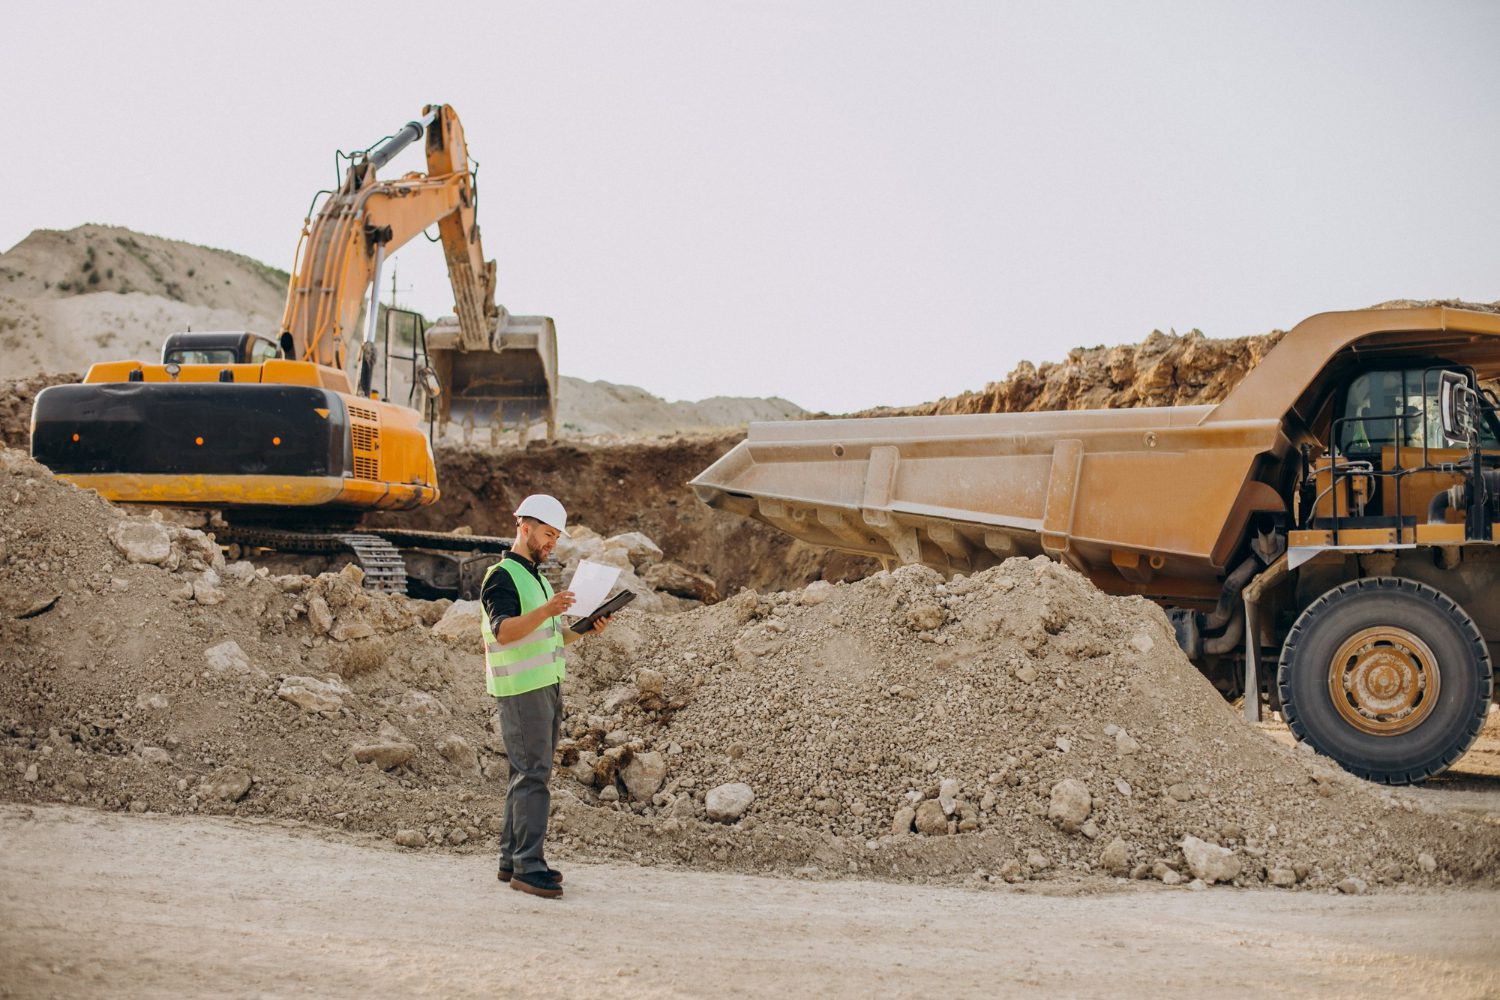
pixel 586 409
pixel 627 486
pixel 16 398
pixel 1165 369
pixel 68 299
pixel 1032 727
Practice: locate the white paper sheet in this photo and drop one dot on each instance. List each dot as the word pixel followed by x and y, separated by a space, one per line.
pixel 590 585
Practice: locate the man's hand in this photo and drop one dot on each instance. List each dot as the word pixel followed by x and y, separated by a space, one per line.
pixel 599 625
pixel 560 603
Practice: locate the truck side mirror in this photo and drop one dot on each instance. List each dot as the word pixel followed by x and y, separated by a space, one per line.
pixel 1456 405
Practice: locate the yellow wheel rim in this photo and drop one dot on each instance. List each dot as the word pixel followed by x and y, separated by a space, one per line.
pixel 1384 681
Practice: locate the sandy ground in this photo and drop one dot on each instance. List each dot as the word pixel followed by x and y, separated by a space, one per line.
pixel 96 903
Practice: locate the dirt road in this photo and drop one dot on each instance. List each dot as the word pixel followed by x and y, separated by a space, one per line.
pixel 96 903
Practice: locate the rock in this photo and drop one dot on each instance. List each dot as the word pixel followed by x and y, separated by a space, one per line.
pixel 207 594
pixel 1125 743
pixel 154 702
pixel 681 582
pixel 1115 858
pixel 648 681
pixel 1180 792
pixel 902 823
pixel 1197 885
pixel 1282 878
pixel 926 617
pixel 582 769
pixel 1063 744
pixel 318 615
pixel 313 695
pixel 459 626
pixel 728 802
pixel 227 784
pixel 155 755
pixel 421 705
pixel 239 572
pixel 609 793
pixel 644 775
pixel 349 631
pixel 640 550
pixel 410 838
pixel 1166 874
pixel 1427 863
pixel 1070 804
pixel 1123 787
pixel 1037 861
pixel 948 795
pixel 457 836
pixel 31 774
pixel 930 818
pixel 1027 673
pixel 384 755
pixel 1353 886
pixel 1210 862
pixel 456 750
pixel 228 658
pixel 816 593
pixel 353 576
pixel 142 541
pixel 1141 643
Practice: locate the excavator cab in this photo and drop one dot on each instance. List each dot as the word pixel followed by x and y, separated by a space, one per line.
pixel 218 347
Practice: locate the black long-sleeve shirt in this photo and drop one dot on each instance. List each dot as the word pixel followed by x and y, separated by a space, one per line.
pixel 499 596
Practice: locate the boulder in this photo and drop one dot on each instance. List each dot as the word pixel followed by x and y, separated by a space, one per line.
pixel 930 818
pixel 410 838
pixel 925 617
pixel 681 582
pixel 902 823
pixel 351 630
pixel 142 541
pixel 456 750
pixel 384 755
pixel 459 626
pixel 1115 858
pixel 644 775
pixel 318 615
pixel 227 784
pixel 641 550
pixel 228 658
pixel 727 803
pixel 1070 804
pixel 313 695
pixel 1210 862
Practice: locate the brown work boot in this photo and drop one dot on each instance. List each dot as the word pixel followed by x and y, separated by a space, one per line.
pixel 505 874
pixel 536 883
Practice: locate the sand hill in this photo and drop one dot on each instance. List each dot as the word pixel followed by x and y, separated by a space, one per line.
pixel 70 298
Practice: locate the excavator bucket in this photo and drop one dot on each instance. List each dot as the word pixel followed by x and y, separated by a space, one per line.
pixel 512 384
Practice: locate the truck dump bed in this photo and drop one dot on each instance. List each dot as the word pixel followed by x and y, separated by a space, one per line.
pixel 1157 501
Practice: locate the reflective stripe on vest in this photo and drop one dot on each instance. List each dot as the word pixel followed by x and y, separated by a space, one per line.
pixel 536 659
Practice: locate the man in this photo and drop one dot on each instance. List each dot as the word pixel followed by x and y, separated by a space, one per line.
pixel 524 668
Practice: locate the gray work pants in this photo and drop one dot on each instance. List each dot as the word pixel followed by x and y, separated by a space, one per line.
pixel 530 724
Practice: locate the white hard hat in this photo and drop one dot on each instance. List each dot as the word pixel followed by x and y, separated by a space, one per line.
pixel 546 509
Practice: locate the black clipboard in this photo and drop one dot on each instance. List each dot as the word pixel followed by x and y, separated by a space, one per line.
pixel 586 624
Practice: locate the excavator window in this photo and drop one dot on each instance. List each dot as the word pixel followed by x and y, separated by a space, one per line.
pixel 225 356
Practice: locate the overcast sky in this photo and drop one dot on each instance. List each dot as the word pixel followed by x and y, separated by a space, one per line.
pixel 845 204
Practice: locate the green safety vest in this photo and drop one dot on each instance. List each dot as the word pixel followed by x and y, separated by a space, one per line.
pixel 532 661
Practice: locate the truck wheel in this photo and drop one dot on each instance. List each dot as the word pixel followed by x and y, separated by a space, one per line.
pixel 1387 676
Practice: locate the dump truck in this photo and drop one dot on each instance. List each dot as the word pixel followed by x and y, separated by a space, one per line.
pixel 1323 540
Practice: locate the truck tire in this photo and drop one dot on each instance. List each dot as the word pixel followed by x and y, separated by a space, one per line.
pixel 1387 676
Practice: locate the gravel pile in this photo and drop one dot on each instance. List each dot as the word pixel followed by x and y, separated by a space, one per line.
pixel 1016 726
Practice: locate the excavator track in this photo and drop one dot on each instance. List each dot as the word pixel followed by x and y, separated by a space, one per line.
pixel 377 551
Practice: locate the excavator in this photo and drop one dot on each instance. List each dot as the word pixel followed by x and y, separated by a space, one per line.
pixel 275 435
